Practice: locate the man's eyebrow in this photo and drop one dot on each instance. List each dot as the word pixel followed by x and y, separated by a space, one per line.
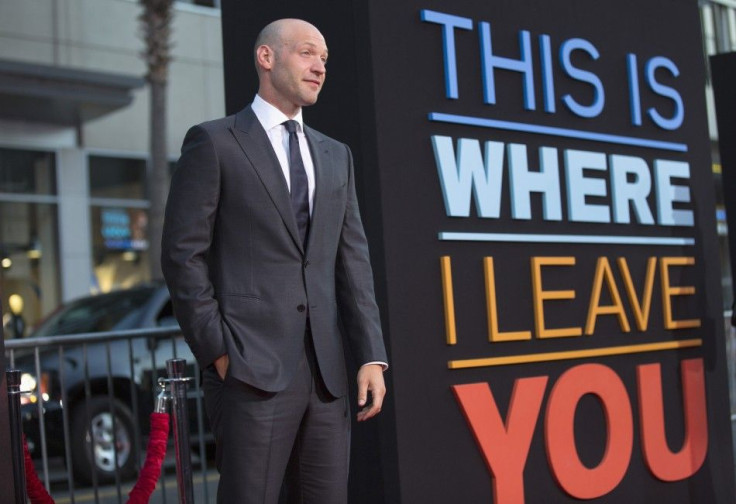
pixel 312 44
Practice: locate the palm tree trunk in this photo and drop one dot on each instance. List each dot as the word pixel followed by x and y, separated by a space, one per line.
pixel 156 26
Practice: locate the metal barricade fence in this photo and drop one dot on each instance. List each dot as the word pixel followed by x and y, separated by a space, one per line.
pixel 86 409
pixel 106 382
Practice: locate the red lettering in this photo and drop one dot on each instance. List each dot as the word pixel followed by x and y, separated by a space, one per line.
pixel 665 464
pixel 572 475
pixel 504 445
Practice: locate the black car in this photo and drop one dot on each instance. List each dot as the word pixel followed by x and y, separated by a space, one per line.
pixel 105 389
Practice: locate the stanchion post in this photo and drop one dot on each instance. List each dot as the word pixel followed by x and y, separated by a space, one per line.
pixel 178 384
pixel 16 435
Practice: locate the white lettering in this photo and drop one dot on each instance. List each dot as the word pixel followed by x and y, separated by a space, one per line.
pixel 669 193
pixel 631 183
pixel 579 187
pixel 524 182
pixel 468 173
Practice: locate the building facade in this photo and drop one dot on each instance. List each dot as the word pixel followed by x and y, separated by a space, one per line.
pixel 74 142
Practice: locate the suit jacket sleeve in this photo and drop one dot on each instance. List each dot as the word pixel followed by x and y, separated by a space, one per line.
pixel 189 224
pixel 354 283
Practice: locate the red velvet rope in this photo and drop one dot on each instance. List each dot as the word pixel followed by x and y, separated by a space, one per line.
pixel 141 492
pixel 151 471
pixel 36 491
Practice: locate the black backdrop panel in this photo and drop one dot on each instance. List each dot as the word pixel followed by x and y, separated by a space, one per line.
pixel 622 225
pixel 723 72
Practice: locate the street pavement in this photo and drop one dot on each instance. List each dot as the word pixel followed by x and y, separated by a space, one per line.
pixel 204 483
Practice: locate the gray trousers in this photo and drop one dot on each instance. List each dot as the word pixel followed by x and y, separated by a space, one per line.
pixel 292 444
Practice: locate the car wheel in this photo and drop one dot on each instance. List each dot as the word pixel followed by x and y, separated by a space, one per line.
pixel 98 444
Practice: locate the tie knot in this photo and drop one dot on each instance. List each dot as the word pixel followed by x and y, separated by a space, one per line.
pixel 290 126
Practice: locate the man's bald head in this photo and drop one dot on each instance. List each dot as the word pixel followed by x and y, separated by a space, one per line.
pixel 276 34
pixel 290 57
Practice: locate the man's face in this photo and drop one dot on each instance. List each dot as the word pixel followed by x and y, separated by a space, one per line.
pixel 298 70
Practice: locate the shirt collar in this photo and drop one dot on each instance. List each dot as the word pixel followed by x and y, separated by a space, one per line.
pixel 269 116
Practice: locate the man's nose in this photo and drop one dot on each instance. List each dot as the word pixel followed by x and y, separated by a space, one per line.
pixel 319 67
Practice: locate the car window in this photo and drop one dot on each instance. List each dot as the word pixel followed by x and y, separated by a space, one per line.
pixel 165 317
pixel 95 313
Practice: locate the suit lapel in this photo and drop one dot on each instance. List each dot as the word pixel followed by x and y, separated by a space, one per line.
pixel 323 180
pixel 257 148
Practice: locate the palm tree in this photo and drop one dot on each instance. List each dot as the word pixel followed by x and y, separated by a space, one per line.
pixel 156 29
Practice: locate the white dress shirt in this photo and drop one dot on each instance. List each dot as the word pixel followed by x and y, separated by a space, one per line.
pixel 272 120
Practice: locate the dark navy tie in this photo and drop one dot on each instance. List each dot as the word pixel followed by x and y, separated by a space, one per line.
pixel 299 183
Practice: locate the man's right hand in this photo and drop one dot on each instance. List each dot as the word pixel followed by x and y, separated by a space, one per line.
pixel 221 365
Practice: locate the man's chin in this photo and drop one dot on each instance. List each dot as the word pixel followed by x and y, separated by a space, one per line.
pixel 309 100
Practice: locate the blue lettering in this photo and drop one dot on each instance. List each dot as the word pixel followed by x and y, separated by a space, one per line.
pixel 449 23
pixel 491 62
pixel 548 85
pixel 666 91
pixel 634 99
pixel 566 50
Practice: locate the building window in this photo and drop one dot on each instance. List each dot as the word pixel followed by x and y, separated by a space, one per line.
pixel 719 27
pixel 27 172
pixel 119 215
pixel 29 242
pixel 117 178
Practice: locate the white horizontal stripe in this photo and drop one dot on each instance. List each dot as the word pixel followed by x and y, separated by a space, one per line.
pixel 561 238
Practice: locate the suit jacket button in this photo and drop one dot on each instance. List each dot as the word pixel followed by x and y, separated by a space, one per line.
pixel 301 308
pixel 306 263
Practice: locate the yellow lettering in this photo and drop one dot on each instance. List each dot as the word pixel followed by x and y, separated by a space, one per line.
pixel 640 309
pixel 668 291
pixel 541 295
pixel 448 300
pixel 595 309
pixel 494 335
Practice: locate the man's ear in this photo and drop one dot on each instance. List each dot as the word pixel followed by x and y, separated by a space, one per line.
pixel 264 57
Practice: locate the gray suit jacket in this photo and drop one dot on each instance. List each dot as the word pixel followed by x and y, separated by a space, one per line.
pixel 240 279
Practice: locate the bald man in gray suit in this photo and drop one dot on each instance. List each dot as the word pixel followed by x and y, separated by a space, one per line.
pixel 267 263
